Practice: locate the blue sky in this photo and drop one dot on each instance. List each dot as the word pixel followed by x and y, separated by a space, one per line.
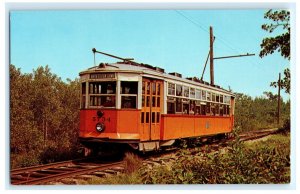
pixel 164 38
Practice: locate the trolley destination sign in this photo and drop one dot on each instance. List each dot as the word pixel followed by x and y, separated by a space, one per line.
pixel 102 75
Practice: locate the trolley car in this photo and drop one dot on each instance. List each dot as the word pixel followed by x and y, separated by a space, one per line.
pixel 144 107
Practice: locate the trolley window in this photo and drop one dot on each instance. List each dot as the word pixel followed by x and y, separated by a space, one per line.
pixel 128 102
pixel 171 89
pixel 213 97
pixel 129 87
pixel 105 101
pixel 185 91
pixel 186 108
pixel 178 105
pixel 203 94
pixel 170 105
pixel 102 94
pixel 83 88
pixel 153 88
pixel 227 99
pixel 197 112
pixel 218 98
pixel 83 102
pixel 208 108
pixel 227 110
pixel 178 90
pixel 198 94
pixel 203 109
pixel 192 92
pixel 153 117
pixel 102 88
pixel 143 88
pixel 222 110
pixel 158 89
pixel 192 107
pixel 129 91
pixel 208 97
pixel 217 109
pixel 83 94
pixel 221 99
pixel 213 109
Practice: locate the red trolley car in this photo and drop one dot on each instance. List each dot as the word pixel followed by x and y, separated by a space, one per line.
pixel 146 108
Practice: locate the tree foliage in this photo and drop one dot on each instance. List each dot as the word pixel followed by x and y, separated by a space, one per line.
pixel 260 112
pixel 24 133
pixel 44 117
pixel 285 83
pixel 280 42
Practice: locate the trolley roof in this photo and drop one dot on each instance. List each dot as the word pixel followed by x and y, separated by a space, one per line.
pixel 151 72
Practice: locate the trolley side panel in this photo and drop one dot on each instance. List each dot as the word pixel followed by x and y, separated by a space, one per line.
pixel 180 126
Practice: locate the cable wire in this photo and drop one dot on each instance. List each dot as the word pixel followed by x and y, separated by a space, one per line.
pixel 218 36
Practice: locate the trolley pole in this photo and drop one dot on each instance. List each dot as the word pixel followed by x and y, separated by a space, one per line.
pixel 212 82
pixel 278 106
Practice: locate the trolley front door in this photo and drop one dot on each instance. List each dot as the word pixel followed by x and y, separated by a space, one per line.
pixel 152 94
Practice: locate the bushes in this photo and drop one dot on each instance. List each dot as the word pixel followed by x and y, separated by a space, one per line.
pixel 261 163
pixel 56 153
pixel 24 159
pixel 286 127
pixel 132 163
pixel 260 112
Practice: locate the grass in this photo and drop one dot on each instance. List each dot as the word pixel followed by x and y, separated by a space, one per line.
pixel 257 162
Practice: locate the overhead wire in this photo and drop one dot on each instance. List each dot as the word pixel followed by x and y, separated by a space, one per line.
pixel 217 35
pixel 205 30
pixel 250 60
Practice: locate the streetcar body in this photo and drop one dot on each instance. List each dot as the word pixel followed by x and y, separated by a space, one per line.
pixel 146 108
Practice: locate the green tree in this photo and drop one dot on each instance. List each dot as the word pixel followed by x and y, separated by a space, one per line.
pixel 44 117
pixel 280 43
pixel 69 113
pixel 46 105
pixel 56 113
pixel 25 138
pixel 260 112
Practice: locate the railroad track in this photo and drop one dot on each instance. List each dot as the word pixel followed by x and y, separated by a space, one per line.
pixel 44 174
pixel 210 146
pixel 257 134
pixel 56 171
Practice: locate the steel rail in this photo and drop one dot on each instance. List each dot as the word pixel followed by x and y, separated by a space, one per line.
pixel 258 135
pixel 46 166
pixel 48 178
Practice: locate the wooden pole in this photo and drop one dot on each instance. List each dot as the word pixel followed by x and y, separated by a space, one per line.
pixel 204 66
pixel 212 82
pixel 278 106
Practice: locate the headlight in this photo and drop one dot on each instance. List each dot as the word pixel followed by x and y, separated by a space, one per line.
pixel 100 127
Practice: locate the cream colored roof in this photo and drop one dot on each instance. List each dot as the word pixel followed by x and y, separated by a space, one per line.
pixel 148 72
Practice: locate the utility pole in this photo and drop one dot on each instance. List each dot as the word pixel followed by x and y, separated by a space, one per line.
pixel 206 63
pixel 278 106
pixel 212 81
pixel 212 58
